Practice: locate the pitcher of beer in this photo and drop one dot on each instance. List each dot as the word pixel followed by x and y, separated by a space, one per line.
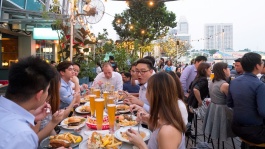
pixel 99 105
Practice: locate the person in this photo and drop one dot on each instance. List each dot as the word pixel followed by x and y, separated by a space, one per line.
pixel 199 88
pixel 82 87
pixel 127 86
pixel 218 117
pixel 182 106
pixel 189 74
pixel 53 63
pixel 98 68
pixel 113 63
pixel 246 98
pixel 27 91
pixel 262 78
pixel 165 117
pixel 114 78
pixel 169 67
pixel 67 74
pixel 238 68
pixel 161 64
pixel 143 71
pixel 152 59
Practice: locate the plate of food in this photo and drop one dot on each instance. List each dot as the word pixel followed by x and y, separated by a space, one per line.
pixel 100 140
pixel 92 123
pixel 123 108
pixel 121 135
pixel 84 109
pixel 127 120
pixel 65 139
pixel 74 122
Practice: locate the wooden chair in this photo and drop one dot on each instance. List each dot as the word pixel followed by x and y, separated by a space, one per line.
pixel 250 144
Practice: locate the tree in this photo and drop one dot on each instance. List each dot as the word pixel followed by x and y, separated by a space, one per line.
pixel 143 22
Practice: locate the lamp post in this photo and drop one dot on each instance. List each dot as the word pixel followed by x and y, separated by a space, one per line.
pixel 177 50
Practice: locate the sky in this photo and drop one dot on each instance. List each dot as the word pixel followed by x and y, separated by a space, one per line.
pixel 247 17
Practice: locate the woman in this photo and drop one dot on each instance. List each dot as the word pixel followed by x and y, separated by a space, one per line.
pixel 199 88
pixel 165 116
pixel 217 117
pixel 168 66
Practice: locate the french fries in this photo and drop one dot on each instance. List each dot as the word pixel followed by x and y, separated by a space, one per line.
pixel 109 142
pixel 68 136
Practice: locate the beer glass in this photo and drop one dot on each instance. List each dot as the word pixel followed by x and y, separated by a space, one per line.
pixel 111 99
pixel 99 105
pixel 92 90
pixel 111 113
pixel 92 104
pixel 97 92
pixel 105 96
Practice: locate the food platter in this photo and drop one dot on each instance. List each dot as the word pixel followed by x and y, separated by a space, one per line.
pixel 122 130
pixel 83 109
pixel 127 120
pixel 45 142
pixel 64 123
pixel 91 123
pixel 123 108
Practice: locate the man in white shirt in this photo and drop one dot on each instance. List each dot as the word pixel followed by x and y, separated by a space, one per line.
pixel 108 76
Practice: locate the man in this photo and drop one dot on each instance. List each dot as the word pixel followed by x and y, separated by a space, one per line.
pixel 53 63
pixel 29 81
pixel 113 63
pixel 189 74
pixel 127 85
pixel 238 68
pixel 143 71
pixel 246 97
pixel 262 78
pixel 67 74
pixel 109 76
pixel 152 59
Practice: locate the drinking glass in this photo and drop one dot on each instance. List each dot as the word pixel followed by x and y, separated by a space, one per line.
pixel 111 113
pixel 92 104
pixel 97 92
pixel 99 105
pixel 105 96
pixel 110 99
pixel 211 76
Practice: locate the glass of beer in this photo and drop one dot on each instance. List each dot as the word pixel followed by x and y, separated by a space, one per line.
pixel 111 99
pixel 105 96
pixel 211 76
pixel 92 104
pixel 92 90
pixel 111 113
pixel 97 92
pixel 99 105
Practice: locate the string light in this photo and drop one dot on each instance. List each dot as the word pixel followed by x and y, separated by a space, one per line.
pixel 209 37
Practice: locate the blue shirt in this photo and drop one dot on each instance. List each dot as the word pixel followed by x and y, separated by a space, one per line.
pixel 127 86
pixel 187 76
pixel 66 95
pixel 247 98
pixel 142 96
pixel 15 127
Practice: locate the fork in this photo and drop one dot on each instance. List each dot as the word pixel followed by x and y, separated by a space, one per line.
pixel 140 123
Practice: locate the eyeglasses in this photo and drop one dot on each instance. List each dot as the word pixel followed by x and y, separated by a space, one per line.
pixel 132 71
pixel 141 72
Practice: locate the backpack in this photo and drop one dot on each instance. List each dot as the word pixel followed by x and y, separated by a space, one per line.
pixel 168 69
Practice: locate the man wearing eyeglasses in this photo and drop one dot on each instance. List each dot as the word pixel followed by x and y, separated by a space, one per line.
pixel 67 74
pixel 143 72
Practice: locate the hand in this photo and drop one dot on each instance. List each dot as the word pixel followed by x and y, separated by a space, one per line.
pixel 41 112
pixel 58 116
pixel 133 100
pixel 134 137
pixel 200 103
pixel 142 116
pixel 75 80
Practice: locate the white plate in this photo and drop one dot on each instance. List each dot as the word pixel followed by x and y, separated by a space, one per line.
pixel 78 110
pixel 133 118
pixel 124 129
pixel 65 126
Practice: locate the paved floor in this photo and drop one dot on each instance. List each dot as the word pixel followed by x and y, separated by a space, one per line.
pixel 227 144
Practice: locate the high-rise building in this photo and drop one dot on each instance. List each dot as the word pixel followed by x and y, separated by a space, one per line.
pixel 218 36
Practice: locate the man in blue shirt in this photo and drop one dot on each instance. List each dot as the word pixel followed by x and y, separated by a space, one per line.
pixel 127 85
pixel 27 91
pixel 246 97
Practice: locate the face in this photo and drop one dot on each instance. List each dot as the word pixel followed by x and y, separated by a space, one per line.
pixel 76 70
pixel 227 72
pixel 143 73
pixel 238 67
pixel 43 96
pixel 134 75
pixel 123 77
pixel 208 71
pixel 260 67
pixel 68 73
pixel 107 70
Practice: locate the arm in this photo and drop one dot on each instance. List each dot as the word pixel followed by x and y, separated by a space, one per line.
pixel 169 137
pixel 70 107
pixel 229 98
pixel 198 96
pixel 65 95
pixel 75 80
pixel 260 94
pixel 119 83
pixel 224 88
pixel 183 79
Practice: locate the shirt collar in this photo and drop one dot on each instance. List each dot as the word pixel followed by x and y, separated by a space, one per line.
pixel 250 74
pixel 63 83
pixel 16 109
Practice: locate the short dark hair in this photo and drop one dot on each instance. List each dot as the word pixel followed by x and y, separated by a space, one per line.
pixel 151 58
pixel 77 64
pixel 145 61
pixel 27 77
pixel 127 74
pixel 64 65
pixel 200 58
pixel 250 60
pixel 238 60
pixel 52 62
pixel 111 57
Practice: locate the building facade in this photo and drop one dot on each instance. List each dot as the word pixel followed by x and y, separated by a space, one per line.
pixel 218 36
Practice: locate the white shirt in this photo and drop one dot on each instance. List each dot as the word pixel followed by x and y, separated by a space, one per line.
pixel 183 111
pixel 142 96
pixel 115 80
